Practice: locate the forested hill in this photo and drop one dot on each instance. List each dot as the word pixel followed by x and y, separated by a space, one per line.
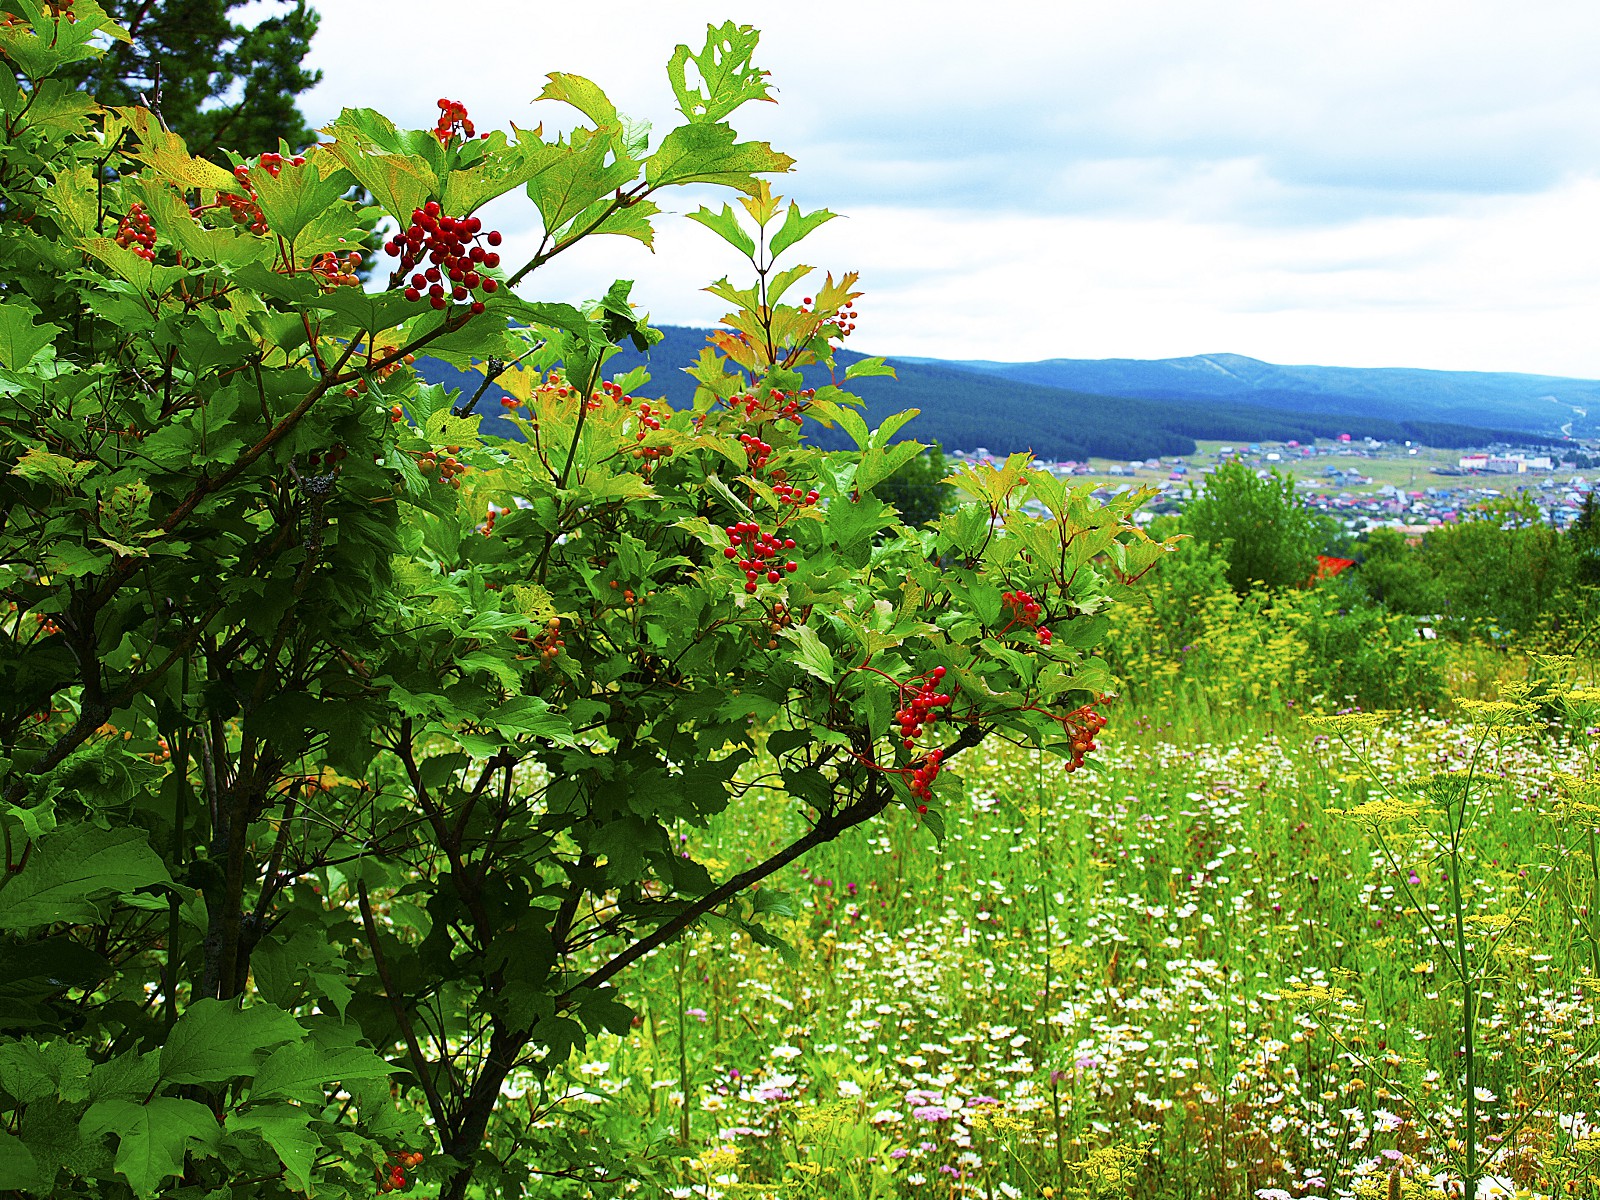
pixel 967 406
pixel 1539 403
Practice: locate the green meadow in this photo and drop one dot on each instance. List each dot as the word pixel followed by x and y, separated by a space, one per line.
pixel 1198 970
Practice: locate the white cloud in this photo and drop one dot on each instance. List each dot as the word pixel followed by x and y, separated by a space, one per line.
pixel 1360 184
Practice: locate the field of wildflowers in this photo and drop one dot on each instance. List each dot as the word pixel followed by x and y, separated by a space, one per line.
pixel 1222 965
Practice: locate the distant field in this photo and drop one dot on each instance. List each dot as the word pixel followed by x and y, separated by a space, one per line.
pixel 1393 465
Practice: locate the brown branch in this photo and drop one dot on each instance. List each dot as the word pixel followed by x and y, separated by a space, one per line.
pixel 829 826
pixel 419 1063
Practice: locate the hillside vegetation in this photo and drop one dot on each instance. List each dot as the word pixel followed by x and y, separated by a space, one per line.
pixel 963 407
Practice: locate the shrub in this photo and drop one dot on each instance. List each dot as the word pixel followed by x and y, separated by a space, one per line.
pixel 345 751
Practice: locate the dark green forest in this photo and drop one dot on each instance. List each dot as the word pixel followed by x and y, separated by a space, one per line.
pixel 965 409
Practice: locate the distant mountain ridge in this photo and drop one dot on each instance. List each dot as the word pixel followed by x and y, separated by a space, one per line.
pixel 1130 408
pixel 1534 403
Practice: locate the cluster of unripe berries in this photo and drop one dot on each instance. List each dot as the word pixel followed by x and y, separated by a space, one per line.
pixel 779 619
pixel 788 494
pixel 393 1177
pixel 244 208
pixel 1081 725
pixel 333 270
pixel 450 470
pixel 47 626
pixel 453 121
pixel 760 552
pixel 137 232
pixel 450 247
pixel 547 645
pixel 921 711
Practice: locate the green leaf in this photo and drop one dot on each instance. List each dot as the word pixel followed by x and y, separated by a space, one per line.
pixel 18 1171
pixel 370 312
pixel 878 465
pixel 709 154
pixel 529 716
pixel 573 175
pixel 725 225
pixel 166 154
pixel 20 338
pixel 33 972
pixel 43 467
pixel 851 523
pixel 811 655
pixel 46 44
pixel 154 1137
pixel 727 77
pixel 769 901
pixel 216 1040
pixel 299 1071
pixel 30 1072
pixel 73 194
pixel 872 366
pixel 797 225
pixel 370 147
pixel 294 197
pixel 288 1131
pixel 77 874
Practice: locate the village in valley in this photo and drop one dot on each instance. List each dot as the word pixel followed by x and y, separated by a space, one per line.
pixel 1362 482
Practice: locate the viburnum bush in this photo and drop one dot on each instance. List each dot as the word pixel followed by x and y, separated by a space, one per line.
pixel 344 748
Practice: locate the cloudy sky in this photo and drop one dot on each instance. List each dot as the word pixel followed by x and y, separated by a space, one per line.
pixel 1394 183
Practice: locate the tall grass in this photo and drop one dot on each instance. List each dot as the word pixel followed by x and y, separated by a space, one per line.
pixel 1120 983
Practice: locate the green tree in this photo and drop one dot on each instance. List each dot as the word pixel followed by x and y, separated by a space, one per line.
pixel 223 85
pixel 1585 538
pixel 1257 523
pixel 347 752
pixel 918 490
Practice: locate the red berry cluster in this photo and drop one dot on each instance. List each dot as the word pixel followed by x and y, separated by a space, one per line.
pixel 922 710
pixel 1081 725
pixel 845 318
pixel 453 122
pixel 334 271
pixel 650 423
pixel 392 1178
pixel 757 450
pixel 137 232
pixel 792 404
pixel 244 208
pixel 1024 608
pixel 331 458
pixel 920 779
pixel 761 551
pixel 793 495
pixel 450 246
